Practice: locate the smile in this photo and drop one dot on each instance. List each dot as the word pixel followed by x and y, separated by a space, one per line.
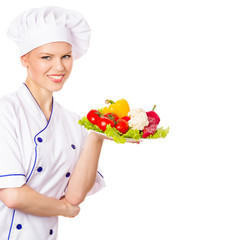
pixel 56 77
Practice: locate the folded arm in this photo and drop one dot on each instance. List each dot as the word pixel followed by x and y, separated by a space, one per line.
pixel 27 200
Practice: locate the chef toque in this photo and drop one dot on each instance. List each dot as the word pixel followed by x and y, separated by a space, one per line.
pixel 38 26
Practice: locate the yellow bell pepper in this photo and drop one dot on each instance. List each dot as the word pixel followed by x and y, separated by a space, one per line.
pixel 120 107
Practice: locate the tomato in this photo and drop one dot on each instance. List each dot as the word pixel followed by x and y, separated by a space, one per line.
pixel 126 118
pixel 122 126
pixel 103 122
pixel 93 116
pixel 112 116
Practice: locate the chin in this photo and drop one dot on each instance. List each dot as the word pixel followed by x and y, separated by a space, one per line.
pixel 56 88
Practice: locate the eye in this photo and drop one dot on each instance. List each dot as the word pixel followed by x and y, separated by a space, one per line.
pixel 46 57
pixel 66 56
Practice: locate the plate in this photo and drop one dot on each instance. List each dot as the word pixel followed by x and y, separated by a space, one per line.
pixel 130 140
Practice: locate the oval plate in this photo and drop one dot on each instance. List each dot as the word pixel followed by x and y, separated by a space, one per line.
pixel 130 140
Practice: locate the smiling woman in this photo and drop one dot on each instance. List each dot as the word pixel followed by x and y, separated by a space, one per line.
pixel 49 163
pixel 48 68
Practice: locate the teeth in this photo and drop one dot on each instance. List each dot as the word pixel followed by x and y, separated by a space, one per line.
pixel 56 77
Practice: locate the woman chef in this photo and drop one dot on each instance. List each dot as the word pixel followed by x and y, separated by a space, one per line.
pixel 48 162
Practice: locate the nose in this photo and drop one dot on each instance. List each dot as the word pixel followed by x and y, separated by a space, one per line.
pixel 58 65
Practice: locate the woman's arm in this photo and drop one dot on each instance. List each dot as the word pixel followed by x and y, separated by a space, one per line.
pixel 27 200
pixel 84 174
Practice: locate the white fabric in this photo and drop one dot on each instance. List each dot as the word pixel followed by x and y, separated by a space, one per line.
pixel 39 153
pixel 38 26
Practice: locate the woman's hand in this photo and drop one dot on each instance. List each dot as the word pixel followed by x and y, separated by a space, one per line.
pixel 98 137
pixel 69 209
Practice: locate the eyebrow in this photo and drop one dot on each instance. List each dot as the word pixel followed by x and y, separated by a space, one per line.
pixel 50 54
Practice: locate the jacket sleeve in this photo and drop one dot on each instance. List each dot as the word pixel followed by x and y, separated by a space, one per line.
pixel 11 169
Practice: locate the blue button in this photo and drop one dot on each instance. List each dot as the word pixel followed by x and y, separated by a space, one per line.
pixel 19 226
pixel 39 169
pixel 73 146
pixel 51 232
pixel 68 174
pixel 39 139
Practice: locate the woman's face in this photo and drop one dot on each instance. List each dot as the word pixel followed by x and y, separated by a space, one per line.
pixel 49 66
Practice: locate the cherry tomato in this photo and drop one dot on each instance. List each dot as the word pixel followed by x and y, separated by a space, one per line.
pixel 103 122
pixel 112 116
pixel 126 118
pixel 93 116
pixel 122 126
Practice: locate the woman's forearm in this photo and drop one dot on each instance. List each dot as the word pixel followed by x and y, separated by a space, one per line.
pixel 27 200
pixel 84 174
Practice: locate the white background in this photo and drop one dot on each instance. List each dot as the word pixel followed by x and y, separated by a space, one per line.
pixel 183 56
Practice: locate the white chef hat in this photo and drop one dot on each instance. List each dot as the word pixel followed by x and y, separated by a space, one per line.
pixel 38 26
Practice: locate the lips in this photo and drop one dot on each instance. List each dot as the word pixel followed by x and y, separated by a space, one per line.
pixel 56 77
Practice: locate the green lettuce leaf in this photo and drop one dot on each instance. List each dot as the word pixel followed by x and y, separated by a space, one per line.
pixel 115 134
pixel 88 125
pixel 160 133
pixel 131 133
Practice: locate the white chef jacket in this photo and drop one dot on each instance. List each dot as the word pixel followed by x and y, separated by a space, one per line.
pixel 39 153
